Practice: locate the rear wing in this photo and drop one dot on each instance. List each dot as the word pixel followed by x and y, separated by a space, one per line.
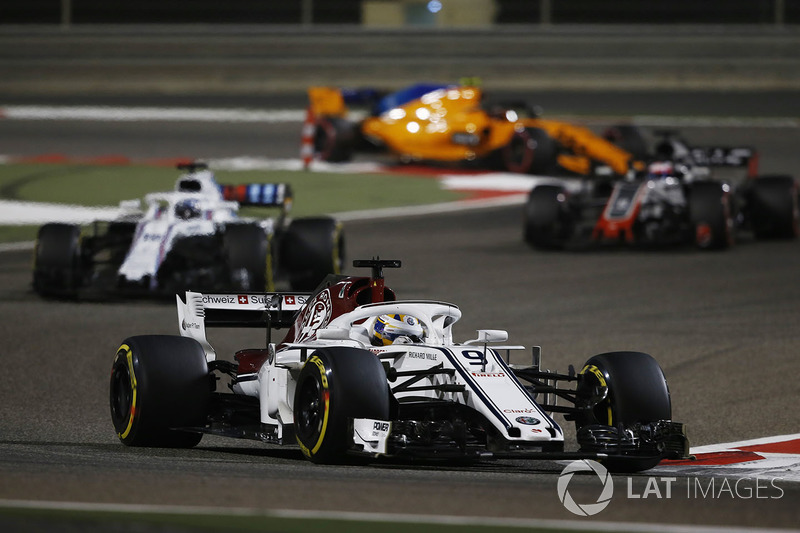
pixel 259 194
pixel 725 156
pixel 272 310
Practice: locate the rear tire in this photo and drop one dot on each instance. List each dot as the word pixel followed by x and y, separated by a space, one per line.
pixel 772 207
pixel 711 215
pixel 311 248
pixel 158 383
pixel 57 268
pixel 248 248
pixel 547 223
pixel 335 385
pixel 530 151
pixel 637 392
pixel 334 139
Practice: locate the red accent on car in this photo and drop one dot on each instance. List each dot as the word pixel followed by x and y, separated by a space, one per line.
pixel 250 360
pixel 337 299
pixel 616 227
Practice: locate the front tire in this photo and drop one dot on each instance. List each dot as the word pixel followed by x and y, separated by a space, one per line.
pixel 335 385
pixel 159 383
pixel 311 248
pixel 619 390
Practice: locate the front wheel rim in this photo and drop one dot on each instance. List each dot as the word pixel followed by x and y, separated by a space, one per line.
pixel 121 395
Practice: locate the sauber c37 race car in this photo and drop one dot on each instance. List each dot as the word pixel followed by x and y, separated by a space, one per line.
pixel 361 374
pixel 704 196
pixel 451 124
pixel 193 238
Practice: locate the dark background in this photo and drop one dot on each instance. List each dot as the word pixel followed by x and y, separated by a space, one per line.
pixel 349 11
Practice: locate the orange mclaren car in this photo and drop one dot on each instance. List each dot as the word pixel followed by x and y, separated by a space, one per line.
pixel 451 124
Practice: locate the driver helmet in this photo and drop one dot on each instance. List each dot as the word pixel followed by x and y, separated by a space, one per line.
pixel 187 209
pixel 390 328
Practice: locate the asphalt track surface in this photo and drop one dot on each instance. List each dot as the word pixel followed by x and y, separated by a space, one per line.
pixel 724 327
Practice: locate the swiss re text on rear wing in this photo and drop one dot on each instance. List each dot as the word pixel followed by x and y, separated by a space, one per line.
pixel 273 310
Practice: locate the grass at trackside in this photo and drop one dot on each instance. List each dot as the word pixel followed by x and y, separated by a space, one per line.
pixel 314 192
pixel 18 233
pixel 44 520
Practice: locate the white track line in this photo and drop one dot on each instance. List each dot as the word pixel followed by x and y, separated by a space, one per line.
pixel 149 114
pixel 153 114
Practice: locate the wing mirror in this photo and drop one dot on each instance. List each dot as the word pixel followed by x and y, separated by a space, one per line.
pixel 489 335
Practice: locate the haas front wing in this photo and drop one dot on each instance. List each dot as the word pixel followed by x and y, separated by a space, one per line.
pixel 455 401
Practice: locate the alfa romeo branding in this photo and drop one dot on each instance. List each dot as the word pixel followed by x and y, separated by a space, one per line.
pixel 316 316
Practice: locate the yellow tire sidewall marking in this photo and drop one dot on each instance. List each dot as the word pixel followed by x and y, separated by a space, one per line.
pixel 326 397
pixel 128 353
pixel 601 378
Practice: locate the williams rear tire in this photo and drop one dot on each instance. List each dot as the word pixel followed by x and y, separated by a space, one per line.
pixel 311 248
pixel 248 249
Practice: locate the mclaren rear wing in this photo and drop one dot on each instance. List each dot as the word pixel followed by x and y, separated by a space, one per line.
pixel 272 310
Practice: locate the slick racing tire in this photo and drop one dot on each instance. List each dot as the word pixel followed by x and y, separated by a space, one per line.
pixel 334 139
pixel 248 250
pixel 635 392
pixel 711 215
pixel 530 151
pixel 335 385
pixel 311 248
pixel 772 207
pixel 57 260
pixel 547 224
pixel 159 383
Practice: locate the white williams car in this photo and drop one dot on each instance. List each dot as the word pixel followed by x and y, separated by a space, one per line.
pixel 360 373
pixel 189 238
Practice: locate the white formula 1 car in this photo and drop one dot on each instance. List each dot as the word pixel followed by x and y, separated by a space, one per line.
pixel 191 237
pixel 361 373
